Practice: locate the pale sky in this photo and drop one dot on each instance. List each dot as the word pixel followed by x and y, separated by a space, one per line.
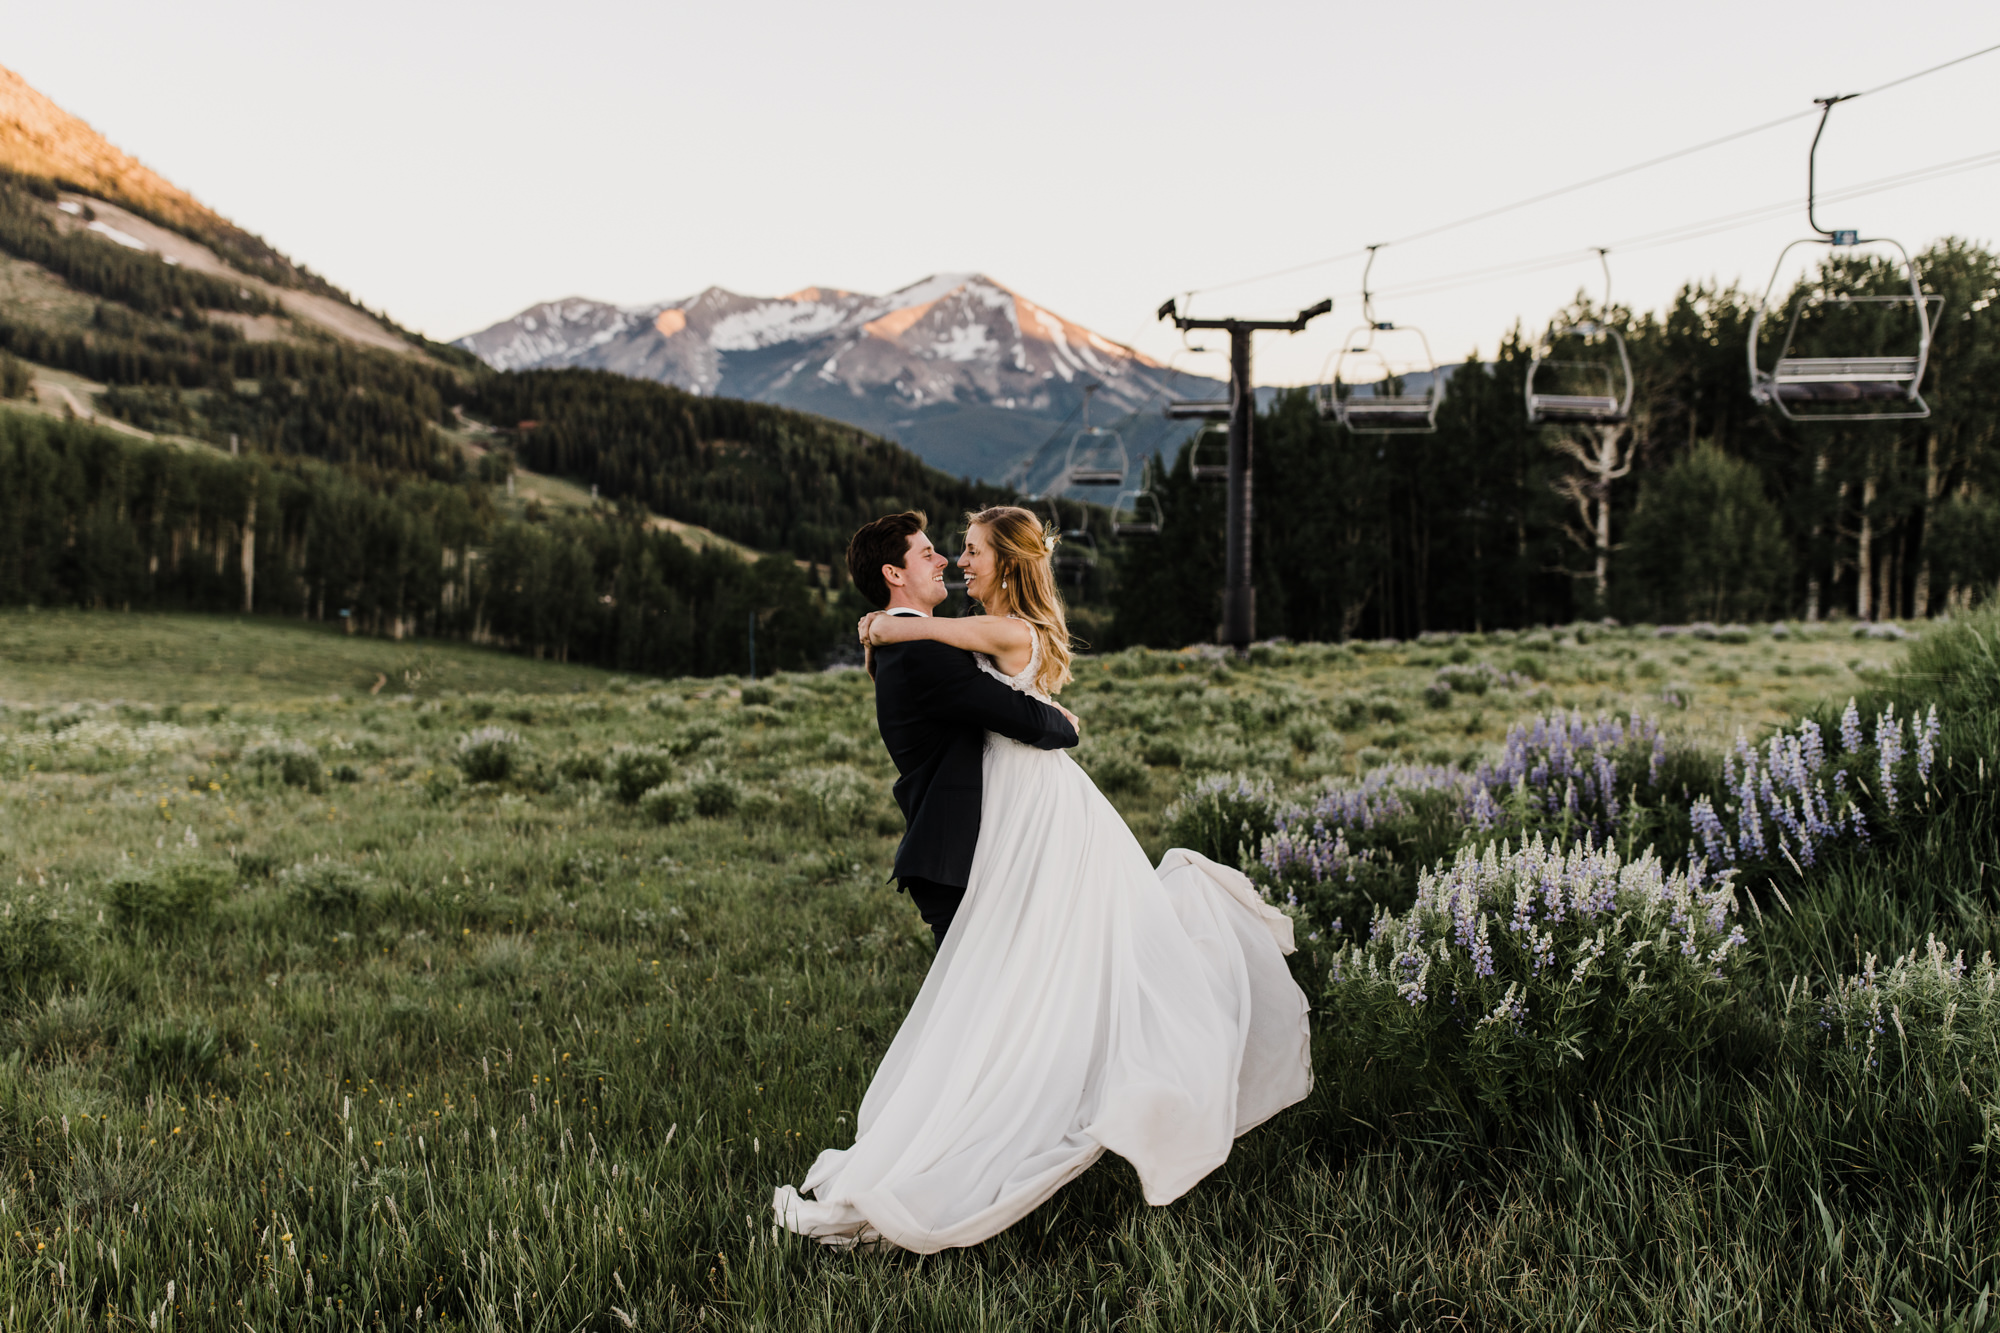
pixel 453 163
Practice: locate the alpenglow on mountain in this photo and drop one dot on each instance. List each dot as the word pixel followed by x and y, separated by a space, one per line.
pixel 966 372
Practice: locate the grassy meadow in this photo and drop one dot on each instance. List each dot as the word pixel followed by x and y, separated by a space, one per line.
pixel 359 984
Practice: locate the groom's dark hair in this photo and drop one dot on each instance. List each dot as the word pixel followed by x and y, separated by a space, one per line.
pixel 886 541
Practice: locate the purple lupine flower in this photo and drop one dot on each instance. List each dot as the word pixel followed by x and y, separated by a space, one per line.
pixel 1463 905
pixel 1850 728
pixel 1888 752
pixel 1708 827
pixel 1524 908
pixel 1813 744
pixel 1552 897
pixel 1482 949
pixel 1544 950
pixel 1927 736
pixel 1750 827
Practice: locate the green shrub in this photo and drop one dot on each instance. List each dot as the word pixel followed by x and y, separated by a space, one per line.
pixel 1113 768
pixel 501 962
pixel 714 794
pixel 164 898
pixel 1161 751
pixel 634 770
pixel 1928 1026
pixel 489 754
pixel 665 803
pixel 325 888
pixel 582 766
pixel 834 796
pixel 1309 736
pixel 35 952
pixel 756 695
pixel 257 865
pixel 293 763
pixel 168 1054
pixel 66 1026
pixel 1521 975
pixel 693 738
pixel 441 784
pixel 1225 818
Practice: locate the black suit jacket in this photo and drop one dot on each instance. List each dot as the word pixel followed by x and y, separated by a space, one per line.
pixel 934 707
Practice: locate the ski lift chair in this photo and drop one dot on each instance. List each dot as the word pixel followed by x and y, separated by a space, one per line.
pixel 1592 389
pixel 1824 388
pixel 1076 554
pixel 1586 391
pixel 1137 513
pixel 1863 385
pixel 1366 361
pixel 1208 455
pixel 1096 458
pixel 1096 455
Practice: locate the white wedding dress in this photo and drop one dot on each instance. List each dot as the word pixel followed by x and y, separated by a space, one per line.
pixel 1082 1000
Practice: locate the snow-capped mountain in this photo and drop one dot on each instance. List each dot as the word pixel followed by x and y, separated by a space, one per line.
pixel 965 371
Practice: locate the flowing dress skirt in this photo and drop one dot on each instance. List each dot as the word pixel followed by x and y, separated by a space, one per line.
pixel 1082 1001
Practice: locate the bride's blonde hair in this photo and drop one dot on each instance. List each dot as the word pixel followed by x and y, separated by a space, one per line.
pixel 1022 547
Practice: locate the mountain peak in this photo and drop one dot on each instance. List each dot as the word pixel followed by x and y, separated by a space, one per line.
pixel 953 353
pixel 39 138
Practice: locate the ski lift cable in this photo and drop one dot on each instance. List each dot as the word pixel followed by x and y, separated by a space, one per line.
pixel 1572 188
pixel 1688 230
pixel 1026 463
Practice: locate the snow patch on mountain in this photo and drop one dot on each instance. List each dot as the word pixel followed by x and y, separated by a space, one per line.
pixel 968 372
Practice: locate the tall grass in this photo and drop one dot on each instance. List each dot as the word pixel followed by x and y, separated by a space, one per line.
pixel 512 1054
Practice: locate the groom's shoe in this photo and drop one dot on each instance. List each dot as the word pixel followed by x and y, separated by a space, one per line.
pixel 936 903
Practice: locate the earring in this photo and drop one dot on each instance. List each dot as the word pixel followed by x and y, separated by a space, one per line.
pixel 1003 583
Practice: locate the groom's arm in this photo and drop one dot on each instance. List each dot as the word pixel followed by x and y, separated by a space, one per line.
pixel 943 683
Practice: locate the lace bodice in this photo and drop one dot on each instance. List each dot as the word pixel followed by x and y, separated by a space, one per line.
pixel 1024 680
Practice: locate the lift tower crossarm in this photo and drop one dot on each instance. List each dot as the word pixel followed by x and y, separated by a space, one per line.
pixel 1239 597
pixel 1297 324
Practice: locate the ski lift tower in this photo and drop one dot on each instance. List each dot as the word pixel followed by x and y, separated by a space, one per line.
pixel 1239 598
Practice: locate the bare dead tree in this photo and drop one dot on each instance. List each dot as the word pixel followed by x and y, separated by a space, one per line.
pixel 1604 454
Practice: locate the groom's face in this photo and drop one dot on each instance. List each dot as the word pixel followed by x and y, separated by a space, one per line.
pixel 922 576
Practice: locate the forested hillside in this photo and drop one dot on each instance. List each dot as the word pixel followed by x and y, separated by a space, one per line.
pixel 299 473
pixel 89 518
pixel 770 477
pixel 1728 511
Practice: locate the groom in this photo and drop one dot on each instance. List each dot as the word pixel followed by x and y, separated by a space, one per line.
pixel 934 707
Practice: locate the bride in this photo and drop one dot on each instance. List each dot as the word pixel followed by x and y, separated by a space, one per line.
pixel 1081 1001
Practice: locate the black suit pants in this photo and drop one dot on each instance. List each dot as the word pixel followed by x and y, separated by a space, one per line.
pixel 936 903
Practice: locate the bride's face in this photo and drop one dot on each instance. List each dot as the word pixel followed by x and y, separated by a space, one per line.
pixel 982 579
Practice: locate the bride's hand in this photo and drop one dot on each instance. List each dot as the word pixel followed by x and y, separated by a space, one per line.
pixel 862 625
pixel 871 629
pixel 1074 721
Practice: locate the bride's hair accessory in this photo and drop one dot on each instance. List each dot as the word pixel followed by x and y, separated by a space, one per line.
pixel 1023 547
